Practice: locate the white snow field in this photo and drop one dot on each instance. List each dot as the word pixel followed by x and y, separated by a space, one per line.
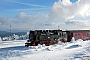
pixel 15 50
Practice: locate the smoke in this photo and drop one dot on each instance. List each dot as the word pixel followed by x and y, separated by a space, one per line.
pixel 68 10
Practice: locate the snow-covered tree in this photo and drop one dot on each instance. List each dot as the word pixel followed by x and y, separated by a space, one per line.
pixel 15 37
pixel 27 35
pixel 5 38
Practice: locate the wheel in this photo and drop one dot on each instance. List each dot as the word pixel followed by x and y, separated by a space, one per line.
pixel 26 46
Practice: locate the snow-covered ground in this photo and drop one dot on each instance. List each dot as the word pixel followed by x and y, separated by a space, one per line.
pixel 15 50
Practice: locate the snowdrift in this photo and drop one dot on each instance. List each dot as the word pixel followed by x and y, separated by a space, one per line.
pixel 74 50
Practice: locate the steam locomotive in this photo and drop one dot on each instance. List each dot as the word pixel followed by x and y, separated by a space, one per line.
pixel 50 37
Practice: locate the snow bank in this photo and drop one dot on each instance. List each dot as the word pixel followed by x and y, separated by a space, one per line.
pixel 16 50
pixel 73 40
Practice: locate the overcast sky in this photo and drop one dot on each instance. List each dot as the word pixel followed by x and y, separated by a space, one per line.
pixel 25 15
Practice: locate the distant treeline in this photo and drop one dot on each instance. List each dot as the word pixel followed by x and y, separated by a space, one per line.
pixel 5 33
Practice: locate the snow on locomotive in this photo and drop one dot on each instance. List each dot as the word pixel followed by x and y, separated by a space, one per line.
pixel 50 37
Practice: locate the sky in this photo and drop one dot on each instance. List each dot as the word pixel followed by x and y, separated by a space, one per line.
pixel 25 15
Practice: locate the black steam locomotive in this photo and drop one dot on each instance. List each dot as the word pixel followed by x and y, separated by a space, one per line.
pixel 47 37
